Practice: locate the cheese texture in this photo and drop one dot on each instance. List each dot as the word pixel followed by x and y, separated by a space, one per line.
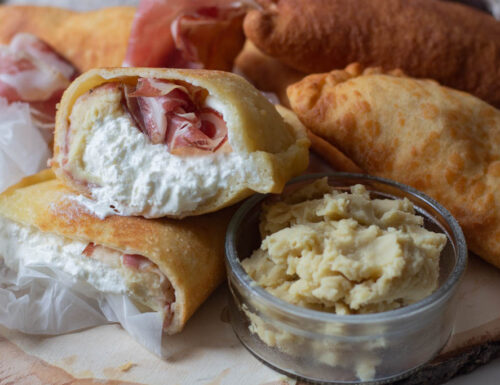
pixel 104 270
pixel 133 175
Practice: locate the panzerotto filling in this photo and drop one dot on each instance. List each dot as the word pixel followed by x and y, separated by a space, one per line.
pixel 105 269
pixel 152 148
pixel 147 285
pixel 175 114
pixel 32 72
pixel 168 113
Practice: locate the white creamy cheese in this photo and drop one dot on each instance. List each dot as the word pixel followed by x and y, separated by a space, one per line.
pixel 135 176
pixel 34 247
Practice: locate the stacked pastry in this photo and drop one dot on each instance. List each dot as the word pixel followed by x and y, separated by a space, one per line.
pixel 135 145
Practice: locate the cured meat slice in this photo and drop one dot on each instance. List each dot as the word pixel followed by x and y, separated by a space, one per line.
pixel 32 72
pixel 186 34
pixel 167 113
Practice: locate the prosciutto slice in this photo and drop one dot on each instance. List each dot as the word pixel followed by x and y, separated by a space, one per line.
pixel 136 261
pixel 167 113
pixel 139 265
pixel 32 72
pixel 186 34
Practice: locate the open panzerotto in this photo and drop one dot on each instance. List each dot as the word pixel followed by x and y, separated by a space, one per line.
pixel 168 142
pixel 166 266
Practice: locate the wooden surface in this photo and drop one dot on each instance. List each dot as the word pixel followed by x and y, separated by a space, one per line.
pixel 20 368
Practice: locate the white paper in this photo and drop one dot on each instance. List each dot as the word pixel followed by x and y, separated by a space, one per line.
pixel 42 300
pixel 494 7
pixel 23 150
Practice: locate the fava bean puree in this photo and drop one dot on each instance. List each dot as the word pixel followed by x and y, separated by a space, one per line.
pixel 343 252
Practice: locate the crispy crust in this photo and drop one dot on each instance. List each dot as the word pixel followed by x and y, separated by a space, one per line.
pixel 453 44
pixel 189 252
pixel 441 141
pixel 332 155
pixel 87 39
pixel 280 144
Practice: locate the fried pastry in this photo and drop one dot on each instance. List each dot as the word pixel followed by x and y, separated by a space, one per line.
pixel 451 43
pixel 166 266
pixel 443 142
pixel 168 142
pixel 87 39
pixel 265 72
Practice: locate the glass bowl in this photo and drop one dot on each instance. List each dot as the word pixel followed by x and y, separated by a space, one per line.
pixel 343 349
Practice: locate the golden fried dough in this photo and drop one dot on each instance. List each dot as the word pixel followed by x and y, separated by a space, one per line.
pixel 439 140
pixel 451 43
pixel 265 72
pixel 331 154
pixel 88 40
pixel 190 253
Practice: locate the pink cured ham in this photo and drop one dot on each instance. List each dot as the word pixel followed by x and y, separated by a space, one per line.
pixel 32 72
pixel 186 34
pixel 136 263
pixel 167 113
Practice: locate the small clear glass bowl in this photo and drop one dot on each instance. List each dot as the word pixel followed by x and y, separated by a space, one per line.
pixel 343 349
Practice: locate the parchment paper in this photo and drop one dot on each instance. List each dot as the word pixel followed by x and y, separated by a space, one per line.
pixel 39 299
pixel 23 150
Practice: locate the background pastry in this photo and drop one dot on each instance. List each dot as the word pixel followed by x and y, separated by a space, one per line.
pixel 87 39
pixel 439 140
pixel 451 43
pixel 265 72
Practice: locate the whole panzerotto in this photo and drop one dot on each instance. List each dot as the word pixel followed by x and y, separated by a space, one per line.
pixel 451 43
pixel 167 142
pixel 443 142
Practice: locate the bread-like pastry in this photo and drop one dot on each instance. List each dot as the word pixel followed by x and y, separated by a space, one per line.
pixel 451 43
pixel 87 39
pixel 436 139
pixel 169 266
pixel 166 142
